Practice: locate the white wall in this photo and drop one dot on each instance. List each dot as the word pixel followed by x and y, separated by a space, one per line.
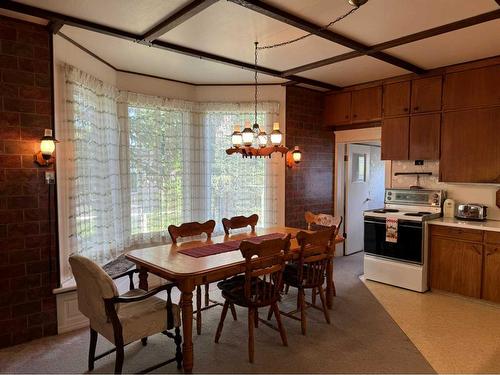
pixel 461 193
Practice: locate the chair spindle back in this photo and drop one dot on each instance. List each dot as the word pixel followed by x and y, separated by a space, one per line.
pixel 316 250
pixel 264 265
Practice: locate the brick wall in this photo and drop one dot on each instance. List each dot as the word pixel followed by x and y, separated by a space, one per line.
pixel 309 185
pixel 27 239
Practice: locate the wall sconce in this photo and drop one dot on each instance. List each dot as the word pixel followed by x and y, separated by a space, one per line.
pixel 47 147
pixel 293 157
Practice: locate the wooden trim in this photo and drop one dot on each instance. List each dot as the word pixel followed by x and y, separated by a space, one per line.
pixel 55 26
pixel 355 126
pixel 78 45
pixel 300 23
pixel 106 30
pixel 457 25
pixel 156 77
pixel 179 17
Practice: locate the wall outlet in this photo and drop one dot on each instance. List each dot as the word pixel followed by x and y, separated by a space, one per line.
pixel 50 177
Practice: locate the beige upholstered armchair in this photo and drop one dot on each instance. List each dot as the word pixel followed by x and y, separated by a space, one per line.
pixel 125 318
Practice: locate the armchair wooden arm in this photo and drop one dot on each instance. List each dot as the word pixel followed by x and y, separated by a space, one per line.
pixel 109 304
pixel 130 274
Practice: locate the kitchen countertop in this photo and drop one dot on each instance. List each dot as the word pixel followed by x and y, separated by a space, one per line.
pixel 491 225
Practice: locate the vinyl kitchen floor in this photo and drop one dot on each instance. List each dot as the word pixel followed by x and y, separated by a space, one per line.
pixel 455 334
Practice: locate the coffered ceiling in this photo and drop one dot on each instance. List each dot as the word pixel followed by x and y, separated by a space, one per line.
pixel 227 30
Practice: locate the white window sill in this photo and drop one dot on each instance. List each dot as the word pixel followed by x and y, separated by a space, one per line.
pixel 66 287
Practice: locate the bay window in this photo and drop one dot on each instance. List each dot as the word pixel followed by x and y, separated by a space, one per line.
pixel 129 165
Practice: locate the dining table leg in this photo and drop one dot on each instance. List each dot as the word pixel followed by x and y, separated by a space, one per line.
pixel 329 285
pixel 143 279
pixel 187 289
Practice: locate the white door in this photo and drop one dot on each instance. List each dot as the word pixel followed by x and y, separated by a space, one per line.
pixel 357 195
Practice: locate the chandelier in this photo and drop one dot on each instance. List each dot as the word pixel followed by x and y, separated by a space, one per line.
pixel 254 141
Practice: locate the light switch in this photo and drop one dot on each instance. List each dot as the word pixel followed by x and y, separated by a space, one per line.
pixel 50 177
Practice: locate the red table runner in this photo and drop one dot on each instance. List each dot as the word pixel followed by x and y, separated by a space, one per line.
pixel 224 247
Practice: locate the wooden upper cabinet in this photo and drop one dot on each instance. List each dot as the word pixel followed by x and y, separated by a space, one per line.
pixel 338 109
pixel 367 104
pixel 426 94
pixel 397 99
pixel 470 146
pixel 472 88
pixel 395 136
pixel 424 136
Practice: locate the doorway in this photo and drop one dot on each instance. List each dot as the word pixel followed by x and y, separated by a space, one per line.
pixel 360 187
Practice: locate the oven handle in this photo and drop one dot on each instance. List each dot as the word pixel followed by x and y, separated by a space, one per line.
pixel 416 226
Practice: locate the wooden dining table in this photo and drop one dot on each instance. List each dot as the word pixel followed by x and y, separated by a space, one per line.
pixel 187 272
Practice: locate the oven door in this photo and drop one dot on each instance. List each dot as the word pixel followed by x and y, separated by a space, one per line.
pixel 408 248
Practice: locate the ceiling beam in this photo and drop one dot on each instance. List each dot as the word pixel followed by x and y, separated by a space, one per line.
pixel 300 23
pixel 182 15
pixel 453 26
pixel 55 26
pixel 236 63
pixel 106 30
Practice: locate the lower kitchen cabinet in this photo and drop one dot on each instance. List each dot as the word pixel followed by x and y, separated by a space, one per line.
pixel 491 276
pixel 456 265
pixel 465 261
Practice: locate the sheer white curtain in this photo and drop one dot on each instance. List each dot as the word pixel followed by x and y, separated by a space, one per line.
pixel 239 186
pixel 165 174
pixel 90 170
pixel 129 165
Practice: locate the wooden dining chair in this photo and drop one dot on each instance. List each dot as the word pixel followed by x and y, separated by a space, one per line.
pixel 190 230
pixel 237 222
pixel 125 318
pixel 258 287
pixel 309 270
pixel 321 220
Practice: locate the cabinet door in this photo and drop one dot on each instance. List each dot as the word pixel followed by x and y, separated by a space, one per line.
pixel 424 136
pixel 426 94
pixel 367 104
pixel 455 266
pixel 491 273
pixel 395 137
pixel 338 109
pixel 470 147
pixel 477 87
pixel 397 99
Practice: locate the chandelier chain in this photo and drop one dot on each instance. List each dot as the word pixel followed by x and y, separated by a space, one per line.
pixel 256 82
pixel 340 18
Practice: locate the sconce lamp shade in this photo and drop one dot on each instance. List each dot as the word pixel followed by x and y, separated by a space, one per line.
pixel 296 155
pixel 47 147
pixel 276 136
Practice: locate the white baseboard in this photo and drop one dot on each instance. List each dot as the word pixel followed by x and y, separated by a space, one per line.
pixel 69 317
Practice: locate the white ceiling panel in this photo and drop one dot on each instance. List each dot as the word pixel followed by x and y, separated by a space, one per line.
pixel 350 72
pixel 231 30
pixel 382 20
pixel 463 45
pixel 140 58
pixel 130 15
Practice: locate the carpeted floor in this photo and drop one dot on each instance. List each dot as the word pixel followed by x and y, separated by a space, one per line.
pixel 362 338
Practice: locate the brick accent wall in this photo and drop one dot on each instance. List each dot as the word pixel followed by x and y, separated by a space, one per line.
pixel 309 185
pixel 28 266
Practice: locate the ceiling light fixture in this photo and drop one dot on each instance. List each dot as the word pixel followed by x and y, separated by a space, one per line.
pixel 357 3
pixel 242 141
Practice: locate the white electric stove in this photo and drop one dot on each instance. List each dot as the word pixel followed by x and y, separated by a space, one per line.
pixel 402 261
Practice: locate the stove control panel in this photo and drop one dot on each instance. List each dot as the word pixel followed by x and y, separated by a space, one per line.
pixel 415 197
